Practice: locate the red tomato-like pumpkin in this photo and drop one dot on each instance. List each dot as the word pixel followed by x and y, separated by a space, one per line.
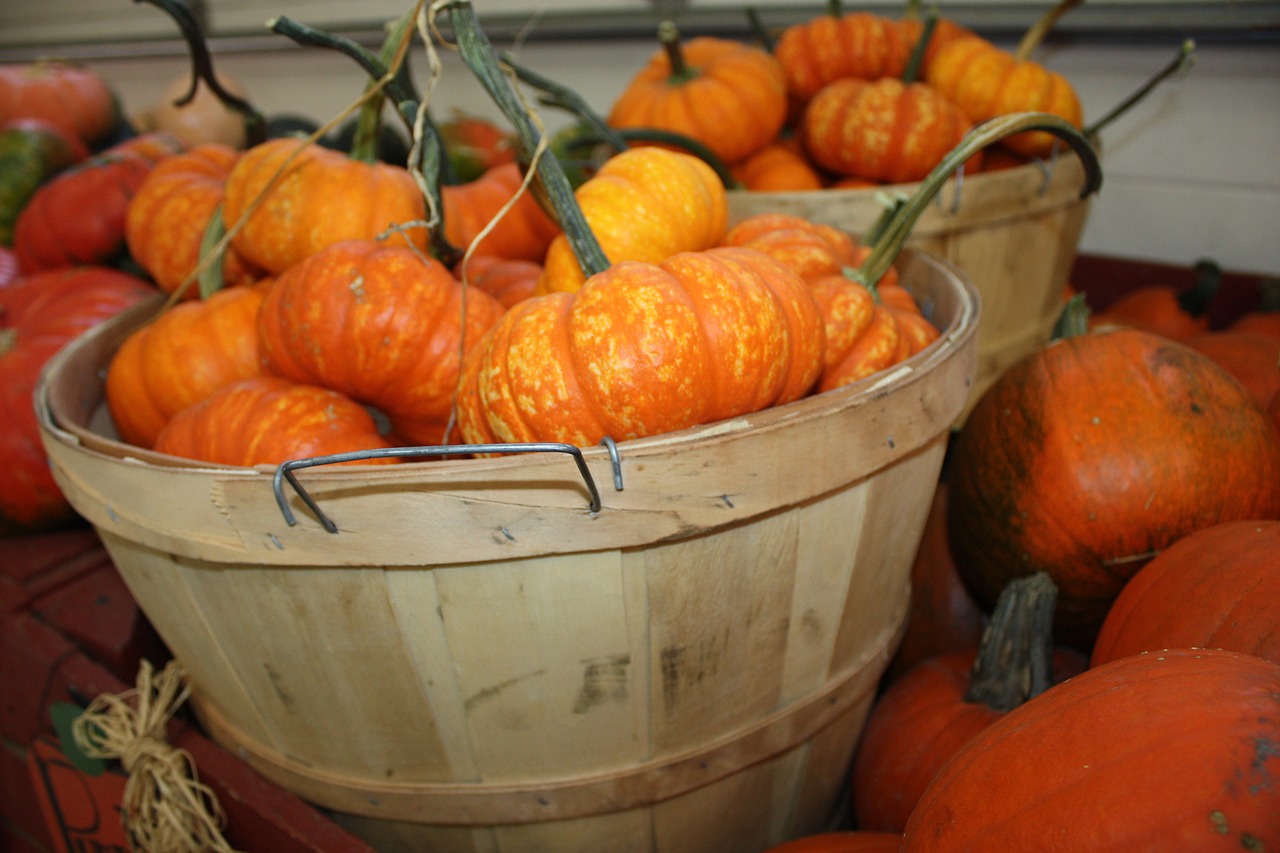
pixel 39 314
pixel 66 95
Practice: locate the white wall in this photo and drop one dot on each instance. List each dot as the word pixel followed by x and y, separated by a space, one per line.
pixel 1191 172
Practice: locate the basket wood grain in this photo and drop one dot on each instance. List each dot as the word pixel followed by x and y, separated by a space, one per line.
pixel 476 660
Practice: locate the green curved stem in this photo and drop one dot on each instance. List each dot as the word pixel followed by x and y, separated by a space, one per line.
pixel 478 53
pixel 255 125
pixel 1184 59
pixel 895 225
pixel 1036 34
pixel 912 72
pixel 561 96
pixel 432 156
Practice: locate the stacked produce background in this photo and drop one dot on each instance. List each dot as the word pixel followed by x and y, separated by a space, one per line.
pixel 1094 607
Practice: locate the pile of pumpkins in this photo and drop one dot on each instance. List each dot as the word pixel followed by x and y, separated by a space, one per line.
pixel 302 295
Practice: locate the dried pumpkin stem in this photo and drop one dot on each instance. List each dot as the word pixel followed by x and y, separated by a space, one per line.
pixel 255 125
pixel 478 53
pixel 1041 28
pixel 1184 60
pixel 364 146
pixel 767 41
pixel 1015 657
pixel 561 96
pixel 894 227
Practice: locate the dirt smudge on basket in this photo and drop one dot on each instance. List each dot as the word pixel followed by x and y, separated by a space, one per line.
pixel 604 679
pixel 684 667
pixel 277 684
pixel 493 691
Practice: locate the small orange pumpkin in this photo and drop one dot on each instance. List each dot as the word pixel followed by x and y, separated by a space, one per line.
pixel 728 95
pixel 525 231
pixel 777 167
pixel 645 348
pixel 883 130
pixel 859 45
pixel 645 204
pixel 298 198
pixel 180 358
pixel 167 218
pixel 267 420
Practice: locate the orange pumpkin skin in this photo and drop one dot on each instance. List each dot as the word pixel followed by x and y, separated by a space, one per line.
pixel 1217 588
pixel 379 323
pixel 644 204
pixel 827 48
pixel 1251 357
pixel 776 168
pixel 267 420
pixel 166 219
pixel 986 82
pixel 918 723
pixel 812 249
pixel 180 358
pixel 320 198
pixel 68 96
pixel 524 232
pixel 882 130
pixel 1154 309
pixel 733 98
pixel 1188 734
pixel 644 349
pixel 1094 453
pixel 508 280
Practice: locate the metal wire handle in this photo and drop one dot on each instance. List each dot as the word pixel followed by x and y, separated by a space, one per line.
pixel 284 471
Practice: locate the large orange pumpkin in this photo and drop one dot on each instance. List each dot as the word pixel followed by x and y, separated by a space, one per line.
pixel 730 96
pixel 1095 453
pixel 379 323
pixel 1173 750
pixel 645 348
pixel 1217 588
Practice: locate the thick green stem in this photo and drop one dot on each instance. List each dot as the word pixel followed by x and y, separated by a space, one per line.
pixel 478 53
pixel 561 96
pixel 894 226
pixel 1015 657
pixel 762 33
pixel 1195 299
pixel 835 8
pixel 431 158
pixel 364 145
pixel 1184 59
pixel 912 72
pixel 1073 321
pixel 669 38
pixel 255 125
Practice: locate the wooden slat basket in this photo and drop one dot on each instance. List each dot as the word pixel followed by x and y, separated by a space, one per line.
pixel 477 661
pixel 1015 232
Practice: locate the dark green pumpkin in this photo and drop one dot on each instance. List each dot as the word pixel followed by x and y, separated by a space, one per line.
pixel 31 152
